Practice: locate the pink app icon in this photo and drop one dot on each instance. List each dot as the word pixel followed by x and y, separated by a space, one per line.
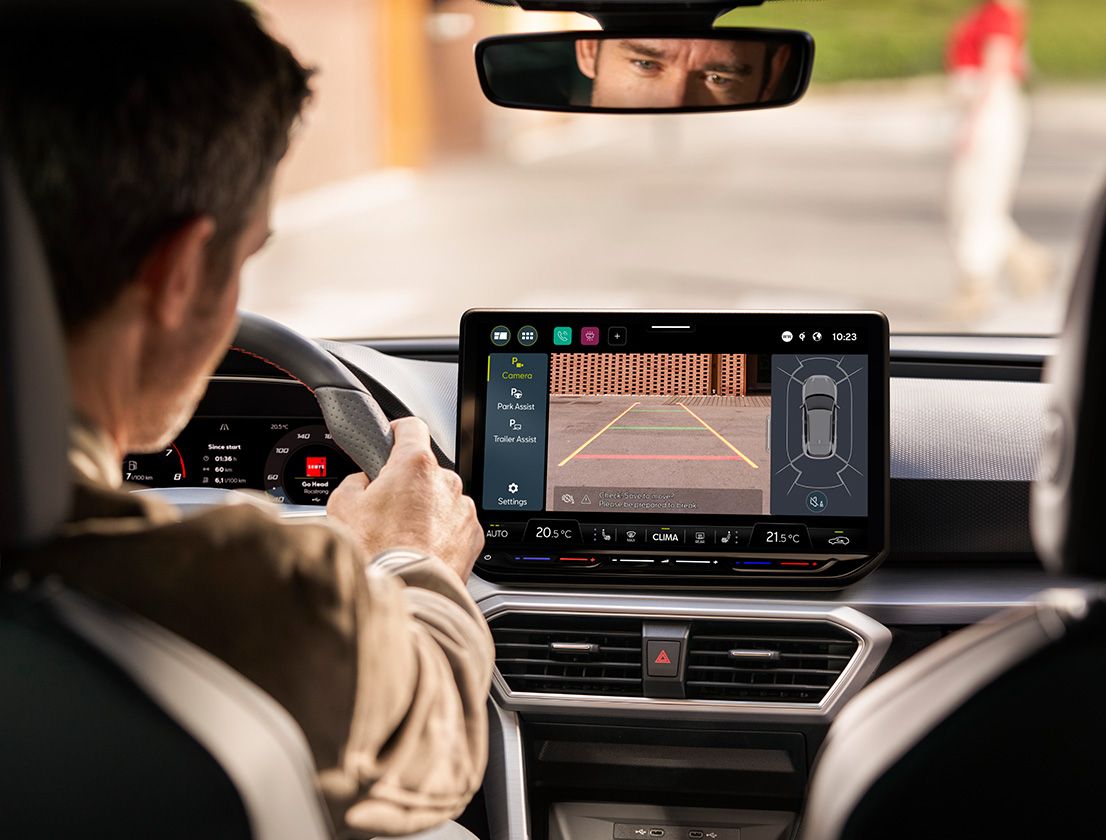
pixel 589 336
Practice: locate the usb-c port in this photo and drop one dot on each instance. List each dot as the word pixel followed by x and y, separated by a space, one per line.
pixel 656 832
pixel 695 834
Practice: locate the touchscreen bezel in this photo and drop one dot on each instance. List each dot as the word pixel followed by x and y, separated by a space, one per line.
pixel 675 333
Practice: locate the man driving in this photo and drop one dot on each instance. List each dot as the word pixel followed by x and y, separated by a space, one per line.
pixel 146 136
pixel 679 72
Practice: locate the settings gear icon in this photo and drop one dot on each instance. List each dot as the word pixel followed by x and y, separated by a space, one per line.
pixel 512 488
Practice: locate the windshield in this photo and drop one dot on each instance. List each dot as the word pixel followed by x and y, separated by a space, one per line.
pixel 941 169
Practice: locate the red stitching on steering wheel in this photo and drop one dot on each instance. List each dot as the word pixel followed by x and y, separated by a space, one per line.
pixel 270 362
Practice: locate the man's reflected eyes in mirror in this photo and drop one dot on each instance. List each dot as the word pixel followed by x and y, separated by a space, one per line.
pixel 679 72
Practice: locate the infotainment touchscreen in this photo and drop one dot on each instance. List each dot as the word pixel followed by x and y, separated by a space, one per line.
pixel 741 446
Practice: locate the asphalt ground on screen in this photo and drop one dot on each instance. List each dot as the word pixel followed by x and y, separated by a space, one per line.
pixel 655 442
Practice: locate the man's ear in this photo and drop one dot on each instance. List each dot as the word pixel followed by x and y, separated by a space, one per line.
pixel 587 53
pixel 781 60
pixel 174 271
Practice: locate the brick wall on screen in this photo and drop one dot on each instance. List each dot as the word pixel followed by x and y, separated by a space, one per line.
pixel 648 374
pixel 731 374
pixel 640 374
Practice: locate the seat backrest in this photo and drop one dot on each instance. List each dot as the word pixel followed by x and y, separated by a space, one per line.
pixel 34 391
pixel 109 725
pixel 998 731
pixel 85 752
pixel 1066 500
pixel 139 733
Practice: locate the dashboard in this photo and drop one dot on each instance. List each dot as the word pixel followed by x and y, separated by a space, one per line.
pixel 966 424
pixel 293 459
pixel 250 434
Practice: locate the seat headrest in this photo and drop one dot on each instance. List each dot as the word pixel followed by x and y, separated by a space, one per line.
pixel 1067 496
pixel 34 387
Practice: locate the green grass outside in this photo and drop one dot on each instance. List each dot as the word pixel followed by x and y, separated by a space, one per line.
pixel 884 39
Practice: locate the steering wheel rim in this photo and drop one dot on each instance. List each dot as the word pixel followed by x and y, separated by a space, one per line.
pixel 355 420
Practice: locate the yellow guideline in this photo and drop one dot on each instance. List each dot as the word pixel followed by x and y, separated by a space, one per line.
pixel 591 440
pixel 710 429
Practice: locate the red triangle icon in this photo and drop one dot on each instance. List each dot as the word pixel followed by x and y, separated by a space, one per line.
pixel 662 658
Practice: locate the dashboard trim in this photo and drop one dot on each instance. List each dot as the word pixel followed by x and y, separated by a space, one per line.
pixel 891 595
pixel 505 779
pixel 193 499
pixel 873 641
pixel 991 350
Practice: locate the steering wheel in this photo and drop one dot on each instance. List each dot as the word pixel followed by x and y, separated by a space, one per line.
pixel 355 420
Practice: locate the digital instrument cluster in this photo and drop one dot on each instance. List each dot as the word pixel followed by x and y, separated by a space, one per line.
pixel 736 447
pixel 292 459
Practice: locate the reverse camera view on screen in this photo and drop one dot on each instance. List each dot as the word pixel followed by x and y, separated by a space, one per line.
pixel 707 434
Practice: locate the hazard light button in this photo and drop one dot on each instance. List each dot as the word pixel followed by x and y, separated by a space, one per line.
pixel 663 658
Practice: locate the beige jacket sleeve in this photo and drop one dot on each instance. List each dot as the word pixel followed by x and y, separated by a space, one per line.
pixel 384 662
pixel 418 745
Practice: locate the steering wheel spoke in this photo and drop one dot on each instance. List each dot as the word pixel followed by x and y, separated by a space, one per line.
pixel 355 420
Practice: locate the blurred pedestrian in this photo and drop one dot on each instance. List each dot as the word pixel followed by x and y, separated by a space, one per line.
pixel 988 64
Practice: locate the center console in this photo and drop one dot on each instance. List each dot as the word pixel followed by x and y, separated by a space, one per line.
pixel 630 470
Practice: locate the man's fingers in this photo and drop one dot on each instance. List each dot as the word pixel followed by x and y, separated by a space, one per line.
pixel 453 481
pixel 350 485
pixel 410 434
pixel 346 495
pixel 356 481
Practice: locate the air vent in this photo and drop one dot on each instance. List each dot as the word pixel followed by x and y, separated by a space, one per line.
pixel 562 654
pixel 766 661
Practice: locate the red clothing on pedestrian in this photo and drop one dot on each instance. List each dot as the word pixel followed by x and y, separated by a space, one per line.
pixel 993 19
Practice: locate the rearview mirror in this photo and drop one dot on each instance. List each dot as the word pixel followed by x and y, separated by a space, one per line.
pixel 604 72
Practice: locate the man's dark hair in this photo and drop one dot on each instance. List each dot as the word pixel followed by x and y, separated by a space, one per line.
pixel 128 118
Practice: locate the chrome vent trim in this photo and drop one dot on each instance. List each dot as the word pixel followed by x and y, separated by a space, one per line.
pixel 873 640
pixel 766 661
pixel 550 654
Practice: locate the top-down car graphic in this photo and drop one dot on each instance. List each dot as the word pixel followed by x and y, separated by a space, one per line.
pixel 819 417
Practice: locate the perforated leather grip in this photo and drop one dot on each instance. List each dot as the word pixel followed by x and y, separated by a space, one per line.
pixel 358 426
pixel 355 420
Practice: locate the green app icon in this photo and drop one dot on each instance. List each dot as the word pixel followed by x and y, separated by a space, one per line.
pixel 562 336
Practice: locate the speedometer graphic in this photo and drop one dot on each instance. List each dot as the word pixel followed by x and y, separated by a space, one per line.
pixel 305 466
pixel 165 468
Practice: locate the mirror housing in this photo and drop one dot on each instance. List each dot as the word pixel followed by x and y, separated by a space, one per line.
pixel 622 14
pixel 731 69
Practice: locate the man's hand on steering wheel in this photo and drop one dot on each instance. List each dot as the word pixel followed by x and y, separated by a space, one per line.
pixel 414 504
pixel 411 502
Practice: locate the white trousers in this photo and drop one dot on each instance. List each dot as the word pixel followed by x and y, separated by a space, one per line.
pixel 986 169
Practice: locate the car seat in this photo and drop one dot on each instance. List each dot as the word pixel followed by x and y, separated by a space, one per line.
pixel 998 730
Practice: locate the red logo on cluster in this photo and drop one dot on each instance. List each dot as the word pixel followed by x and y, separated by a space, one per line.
pixel 662 658
pixel 316 467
